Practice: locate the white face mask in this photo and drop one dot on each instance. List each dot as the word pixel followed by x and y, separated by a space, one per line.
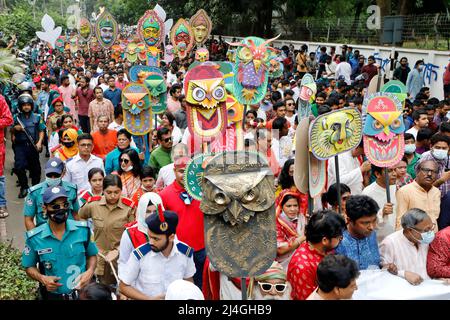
pixel 128 169
pixel 440 154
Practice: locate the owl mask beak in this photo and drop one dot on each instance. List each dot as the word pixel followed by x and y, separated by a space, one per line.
pixel 235 209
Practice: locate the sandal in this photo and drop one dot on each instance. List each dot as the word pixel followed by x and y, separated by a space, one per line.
pixel 3 213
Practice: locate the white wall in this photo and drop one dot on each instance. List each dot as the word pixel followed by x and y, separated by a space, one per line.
pixel 435 61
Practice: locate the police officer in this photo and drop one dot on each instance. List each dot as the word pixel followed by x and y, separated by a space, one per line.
pixel 155 265
pixel 26 153
pixel 54 170
pixel 62 248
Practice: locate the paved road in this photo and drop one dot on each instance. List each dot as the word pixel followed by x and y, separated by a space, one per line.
pixel 15 222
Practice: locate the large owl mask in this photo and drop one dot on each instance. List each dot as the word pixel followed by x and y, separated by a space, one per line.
pixel 106 30
pixel 251 69
pixel 238 202
pixel 383 129
pixel 335 132
pixel 205 101
pixel 137 114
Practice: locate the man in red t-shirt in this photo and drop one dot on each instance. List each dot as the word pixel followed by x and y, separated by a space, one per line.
pixel 323 234
pixel 190 229
pixel 105 140
pixel 370 68
pixel 83 96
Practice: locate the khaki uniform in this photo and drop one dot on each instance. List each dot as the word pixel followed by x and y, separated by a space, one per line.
pixel 109 225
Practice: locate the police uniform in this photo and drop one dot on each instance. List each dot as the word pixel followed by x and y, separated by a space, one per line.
pixel 25 155
pixel 151 272
pixel 34 199
pixel 65 258
pixel 108 228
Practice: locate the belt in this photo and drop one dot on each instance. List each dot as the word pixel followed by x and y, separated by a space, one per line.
pixel 70 296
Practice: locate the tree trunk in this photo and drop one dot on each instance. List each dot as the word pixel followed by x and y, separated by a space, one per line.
pixel 268 19
pixel 358 10
pixel 385 7
pixel 404 7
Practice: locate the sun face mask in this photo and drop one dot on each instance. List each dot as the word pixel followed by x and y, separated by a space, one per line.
pixel 137 113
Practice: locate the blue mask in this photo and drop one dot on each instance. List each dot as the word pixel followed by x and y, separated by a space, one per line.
pixel 51 182
pixel 440 154
pixel 427 237
pixel 410 148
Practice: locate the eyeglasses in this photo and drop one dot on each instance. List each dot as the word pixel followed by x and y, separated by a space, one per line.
pixel 65 205
pixel 267 287
pixel 433 225
pixel 167 139
pixel 124 161
pixel 429 171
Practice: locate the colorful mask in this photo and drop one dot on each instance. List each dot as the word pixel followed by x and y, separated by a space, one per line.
pixel 142 52
pixel 202 55
pixel 85 29
pixel 201 26
pixel 73 44
pixel 308 89
pixel 301 156
pixel 151 29
pixel 335 132
pixel 317 171
pixel 153 57
pixel 182 38
pixel 205 101
pixel 60 44
pixel 383 129
pixel 276 68
pixel 156 84
pixel 94 44
pixel 106 30
pixel 251 69
pixel 137 114
pixel 239 213
pixel 139 73
pixel 131 52
pixel 168 54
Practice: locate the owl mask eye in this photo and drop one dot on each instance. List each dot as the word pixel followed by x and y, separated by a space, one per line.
pixel 129 103
pixel 377 125
pixel 218 93
pixel 220 197
pixel 198 94
pixel 245 54
pixel 140 103
pixel 396 124
pixel 250 196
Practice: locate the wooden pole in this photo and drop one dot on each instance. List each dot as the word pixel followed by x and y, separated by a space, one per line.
pixel 244 288
pixel 338 182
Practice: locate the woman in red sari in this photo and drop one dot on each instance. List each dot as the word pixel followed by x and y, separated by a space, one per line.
pixel 291 222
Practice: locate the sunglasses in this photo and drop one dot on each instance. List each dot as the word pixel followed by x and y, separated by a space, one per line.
pixel 124 161
pixel 290 104
pixel 167 139
pixel 267 287
pixel 65 205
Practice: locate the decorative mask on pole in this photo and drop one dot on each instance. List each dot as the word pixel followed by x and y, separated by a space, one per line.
pixel 85 29
pixel 201 26
pixel 182 38
pixel 308 89
pixel 151 29
pixel 384 144
pixel 202 55
pixel 137 113
pixel 106 30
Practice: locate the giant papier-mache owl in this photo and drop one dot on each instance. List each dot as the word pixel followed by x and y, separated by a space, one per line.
pixel 153 79
pixel 238 205
pixel 251 69
pixel 137 113
pixel 206 101
pixel 335 132
pixel 383 129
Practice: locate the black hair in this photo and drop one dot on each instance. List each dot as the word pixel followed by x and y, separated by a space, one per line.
pixel 433 101
pixel 322 95
pixel 174 88
pixel 275 96
pixel 416 114
pixel 336 271
pixel 444 127
pixel 253 112
pixel 148 172
pixel 112 180
pixel 289 92
pixel 98 87
pixel 325 223
pixel 377 169
pixel 96 291
pixel 279 123
pixel 323 109
pixel 424 134
pixel 60 121
pixel 418 62
pixel 358 100
pixel 287 198
pixel 331 196
pixel 161 132
pixel 64 78
pixel 438 138
pixel 285 180
pixel 358 206
pixel 332 101
pixel 94 171
pixel 277 105
pixel 409 136
pixel 117 111
pixel 84 136
pixel 125 133
pixel 135 161
pixel 430 107
pixel 169 116
pixel 421 96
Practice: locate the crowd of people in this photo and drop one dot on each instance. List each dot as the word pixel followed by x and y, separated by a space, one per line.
pixel 113 209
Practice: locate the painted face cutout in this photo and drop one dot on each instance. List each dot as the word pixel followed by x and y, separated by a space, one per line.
pixel 251 69
pixel 137 113
pixel 151 29
pixel 383 129
pixel 335 132
pixel 85 30
pixel 308 89
pixel 168 54
pixel 201 26
pixel 182 38
pixel 276 68
pixel 60 44
pixel 131 52
pixel 238 201
pixel 106 30
pixel 73 44
pixel 202 55
pixel 206 101
pixel 153 56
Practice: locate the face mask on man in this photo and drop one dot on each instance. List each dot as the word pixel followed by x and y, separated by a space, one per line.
pixel 68 144
pixel 420 68
pixel 410 148
pixel 427 237
pixel 58 216
pixel 440 154
pixel 52 182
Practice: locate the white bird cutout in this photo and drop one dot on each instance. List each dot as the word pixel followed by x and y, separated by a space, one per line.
pixel 50 33
pixel 162 15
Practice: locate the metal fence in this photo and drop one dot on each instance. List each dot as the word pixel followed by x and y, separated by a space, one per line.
pixel 427 31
